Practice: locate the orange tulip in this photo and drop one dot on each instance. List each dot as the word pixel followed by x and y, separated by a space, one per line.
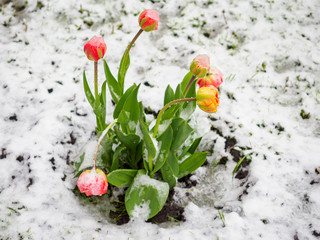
pixel 207 99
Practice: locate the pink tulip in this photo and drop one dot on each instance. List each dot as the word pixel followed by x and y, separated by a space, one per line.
pixel 93 182
pixel 213 78
pixel 200 65
pixel 148 20
pixel 95 48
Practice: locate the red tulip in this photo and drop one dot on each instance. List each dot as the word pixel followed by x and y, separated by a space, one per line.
pixel 93 182
pixel 95 48
pixel 148 20
pixel 213 78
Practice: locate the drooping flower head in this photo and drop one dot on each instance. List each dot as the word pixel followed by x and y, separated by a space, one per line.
pixel 212 78
pixel 200 65
pixel 148 20
pixel 93 182
pixel 207 99
pixel 95 48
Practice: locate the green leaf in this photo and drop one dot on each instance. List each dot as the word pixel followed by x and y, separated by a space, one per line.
pixel 191 163
pixel 185 81
pixel 142 116
pixel 148 143
pixel 121 177
pixel 87 91
pixel 168 96
pixel 170 113
pixel 97 107
pixel 103 93
pixel 78 165
pixel 115 158
pixel 194 145
pixel 113 85
pixel 170 170
pixel 190 149
pixel 130 141
pixel 164 143
pixel 107 155
pixel 130 113
pixel 178 93
pixel 122 101
pixel 139 149
pixel 103 105
pixel 168 176
pixel 124 65
pixel 238 164
pixel 188 108
pixel 181 131
pixel 146 196
pixel 173 163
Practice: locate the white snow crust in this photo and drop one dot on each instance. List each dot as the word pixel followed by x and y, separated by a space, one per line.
pixel 269 54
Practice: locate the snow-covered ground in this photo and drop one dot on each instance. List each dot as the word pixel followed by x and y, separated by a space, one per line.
pixel 269 54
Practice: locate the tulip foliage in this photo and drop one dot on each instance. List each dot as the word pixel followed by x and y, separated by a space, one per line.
pixel 147 157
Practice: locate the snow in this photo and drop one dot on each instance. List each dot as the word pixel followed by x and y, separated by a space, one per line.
pixel 268 52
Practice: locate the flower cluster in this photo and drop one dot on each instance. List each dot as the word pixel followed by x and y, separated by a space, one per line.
pixel 134 148
pixel 209 79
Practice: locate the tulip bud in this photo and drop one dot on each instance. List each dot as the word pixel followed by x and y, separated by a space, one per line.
pixel 93 182
pixel 207 99
pixel 213 78
pixel 95 48
pixel 200 65
pixel 148 20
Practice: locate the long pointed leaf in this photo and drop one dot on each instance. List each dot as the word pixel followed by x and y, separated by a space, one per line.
pixel 192 163
pixel 164 143
pixel 130 113
pixel 124 65
pixel 113 85
pixel 122 101
pixel 87 90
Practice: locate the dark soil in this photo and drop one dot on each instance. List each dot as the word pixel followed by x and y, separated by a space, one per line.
pixel 188 183
pixel 171 211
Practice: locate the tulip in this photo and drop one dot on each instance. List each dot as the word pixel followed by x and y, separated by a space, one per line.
pixel 213 78
pixel 95 48
pixel 93 182
pixel 148 20
pixel 207 99
pixel 200 65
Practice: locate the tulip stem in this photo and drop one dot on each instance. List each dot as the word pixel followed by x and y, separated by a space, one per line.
pixel 133 40
pixel 155 131
pixel 100 140
pixel 189 85
pixel 96 80
pixel 96 94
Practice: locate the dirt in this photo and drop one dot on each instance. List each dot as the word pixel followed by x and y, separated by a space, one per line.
pixel 171 211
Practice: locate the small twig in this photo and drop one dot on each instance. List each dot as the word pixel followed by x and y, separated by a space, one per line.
pixel 225 19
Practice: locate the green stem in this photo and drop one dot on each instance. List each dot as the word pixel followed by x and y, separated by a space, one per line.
pixel 133 40
pixel 189 85
pixel 155 131
pixel 99 142
pixel 96 80
pixel 126 53
pixel 151 167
